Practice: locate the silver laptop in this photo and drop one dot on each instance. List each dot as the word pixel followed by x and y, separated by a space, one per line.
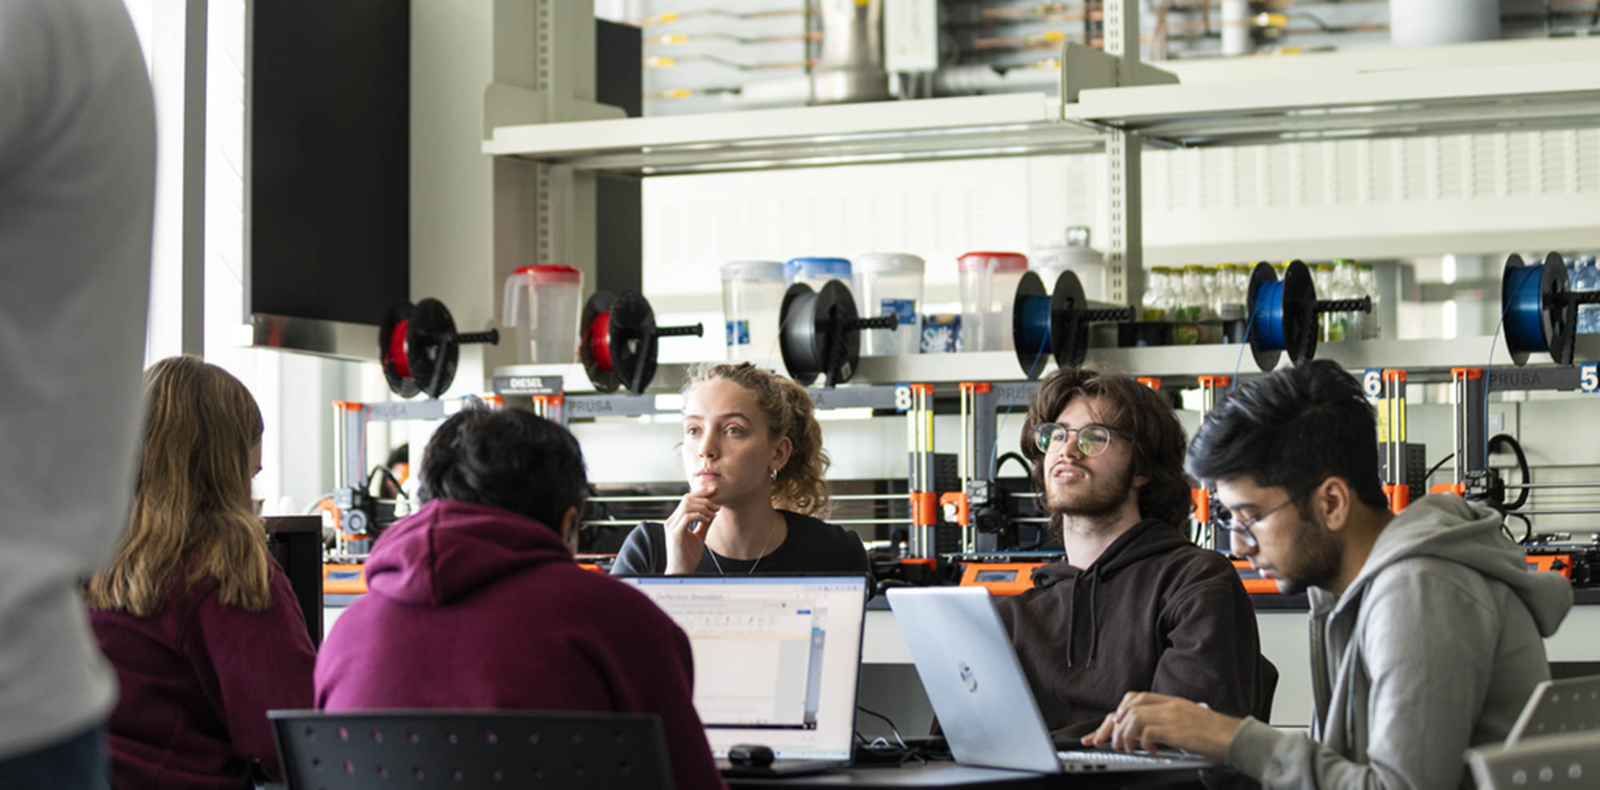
pixel 1557 707
pixel 776 663
pixel 981 696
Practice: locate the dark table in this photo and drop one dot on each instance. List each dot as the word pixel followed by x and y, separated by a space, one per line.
pixel 946 774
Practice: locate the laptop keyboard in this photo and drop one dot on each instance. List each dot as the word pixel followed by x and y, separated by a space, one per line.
pixel 1118 758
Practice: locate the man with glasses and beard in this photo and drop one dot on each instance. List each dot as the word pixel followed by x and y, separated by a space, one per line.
pixel 1135 605
pixel 1426 628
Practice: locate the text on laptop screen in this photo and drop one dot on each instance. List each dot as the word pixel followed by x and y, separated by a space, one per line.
pixel 776 659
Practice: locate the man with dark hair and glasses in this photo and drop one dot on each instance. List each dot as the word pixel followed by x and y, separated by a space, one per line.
pixel 1426 628
pixel 1135 604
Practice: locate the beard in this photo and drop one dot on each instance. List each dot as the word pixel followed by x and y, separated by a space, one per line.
pixel 1104 497
pixel 1315 561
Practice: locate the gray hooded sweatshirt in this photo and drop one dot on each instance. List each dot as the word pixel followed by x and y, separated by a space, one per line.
pixel 1435 647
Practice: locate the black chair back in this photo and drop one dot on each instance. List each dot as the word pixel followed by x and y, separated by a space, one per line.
pixel 470 750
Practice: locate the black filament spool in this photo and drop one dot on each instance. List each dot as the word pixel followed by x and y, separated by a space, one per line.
pixel 819 333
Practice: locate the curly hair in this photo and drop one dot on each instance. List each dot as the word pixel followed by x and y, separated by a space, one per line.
pixel 800 486
pixel 1136 412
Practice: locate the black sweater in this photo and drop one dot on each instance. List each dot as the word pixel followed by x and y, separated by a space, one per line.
pixel 812 546
pixel 1154 613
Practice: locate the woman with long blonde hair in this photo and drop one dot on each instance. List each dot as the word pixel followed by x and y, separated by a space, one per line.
pixel 196 617
pixel 752 450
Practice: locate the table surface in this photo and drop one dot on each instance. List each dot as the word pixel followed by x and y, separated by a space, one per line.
pixel 946 774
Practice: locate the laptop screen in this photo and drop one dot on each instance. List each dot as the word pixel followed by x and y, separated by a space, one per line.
pixel 776 658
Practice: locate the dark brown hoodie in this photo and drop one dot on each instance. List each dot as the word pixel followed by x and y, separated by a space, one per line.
pixel 1154 613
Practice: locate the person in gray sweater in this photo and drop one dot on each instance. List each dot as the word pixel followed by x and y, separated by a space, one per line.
pixel 1426 627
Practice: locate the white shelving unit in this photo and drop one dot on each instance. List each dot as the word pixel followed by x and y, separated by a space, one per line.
pixel 1480 87
pixel 1424 101
pixel 973 126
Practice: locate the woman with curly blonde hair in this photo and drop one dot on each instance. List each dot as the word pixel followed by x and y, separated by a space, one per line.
pixel 752 450
pixel 199 622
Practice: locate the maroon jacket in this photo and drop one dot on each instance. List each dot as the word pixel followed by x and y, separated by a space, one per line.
pixel 475 607
pixel 196 682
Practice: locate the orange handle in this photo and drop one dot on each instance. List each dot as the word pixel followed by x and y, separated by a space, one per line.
pixel 1399 496
pixel 1202 505
pixel 924 508
pixel 959 499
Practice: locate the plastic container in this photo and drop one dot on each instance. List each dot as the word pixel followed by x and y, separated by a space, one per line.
pixel 752 296
pixel 543 303
pixel 1371 325
pixel 1077 257
pixel 816 272
pixel 988 286
pixel 890 283
pixel 1587 278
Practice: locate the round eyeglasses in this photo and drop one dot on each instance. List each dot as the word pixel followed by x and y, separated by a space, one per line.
pixel 1092 439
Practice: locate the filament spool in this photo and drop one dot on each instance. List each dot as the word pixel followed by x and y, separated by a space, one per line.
pixel 1058 323
pixel 820 332
pixel 620 340
pixel 419 347
pixel 1540 313
pixel 1282 314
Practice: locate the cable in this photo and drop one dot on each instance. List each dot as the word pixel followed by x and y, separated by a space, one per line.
pixel 1027 470
pixel 994 466
pixel 1243 344
pixel 886 720
pixel 1527 528
pixel 881 749
pixel 1522 465
pixel 1436 466
pixel 1488 369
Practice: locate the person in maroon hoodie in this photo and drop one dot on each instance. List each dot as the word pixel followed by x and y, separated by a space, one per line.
pixel 475 601
pixel 196 617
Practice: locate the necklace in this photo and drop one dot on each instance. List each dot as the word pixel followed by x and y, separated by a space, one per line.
pixel 753 566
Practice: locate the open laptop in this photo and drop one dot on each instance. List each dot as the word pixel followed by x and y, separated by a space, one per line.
pixel 776 663
pixel 981 696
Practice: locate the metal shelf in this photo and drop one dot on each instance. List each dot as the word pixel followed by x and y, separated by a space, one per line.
pixel 1447 99
pixel 1424 360
pixel 892 131
pixel 1466 88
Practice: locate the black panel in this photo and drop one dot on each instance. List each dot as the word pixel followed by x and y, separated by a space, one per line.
pixel 619 218
pixel 328 158
pixel 296 543
pixel 618 70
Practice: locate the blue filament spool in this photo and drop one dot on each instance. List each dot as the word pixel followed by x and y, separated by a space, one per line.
pixel 1035 323
pixel 1268 316
pixel 1524 320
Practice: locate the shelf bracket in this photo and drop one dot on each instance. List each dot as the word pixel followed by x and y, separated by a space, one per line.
pixel 511 105
pixel 1121 185
pixel 1086 68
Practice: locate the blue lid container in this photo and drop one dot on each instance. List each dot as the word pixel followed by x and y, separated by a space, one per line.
pixel 817 269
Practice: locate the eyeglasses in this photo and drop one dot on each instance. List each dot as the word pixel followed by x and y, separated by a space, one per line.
pixel 1244 528
pixel 1092 439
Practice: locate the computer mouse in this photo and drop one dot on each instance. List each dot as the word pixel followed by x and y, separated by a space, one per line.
pixel 750 754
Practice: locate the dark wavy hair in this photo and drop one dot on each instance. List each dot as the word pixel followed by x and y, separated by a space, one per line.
pixel 507 458
pixel 1133 411
pixel 1292 429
